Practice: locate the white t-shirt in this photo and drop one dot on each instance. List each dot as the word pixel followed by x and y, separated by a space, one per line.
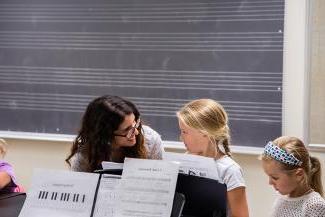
pixel 309 205
pixel 153 143
pixel 229 173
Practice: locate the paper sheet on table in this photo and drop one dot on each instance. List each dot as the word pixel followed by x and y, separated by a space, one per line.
pixel 147 188
pixel 194 164
pixel 60 193
pixel 107 196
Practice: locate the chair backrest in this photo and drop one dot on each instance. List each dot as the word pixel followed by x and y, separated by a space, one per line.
pixel 204 197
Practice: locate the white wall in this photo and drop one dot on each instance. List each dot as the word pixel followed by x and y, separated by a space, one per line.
pixel 295 75
pixel 28 154
pixel 317 73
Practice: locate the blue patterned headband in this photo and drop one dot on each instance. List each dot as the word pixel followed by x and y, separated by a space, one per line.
pixel 281 155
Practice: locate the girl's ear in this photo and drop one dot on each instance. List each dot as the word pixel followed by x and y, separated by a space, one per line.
pixel 300 173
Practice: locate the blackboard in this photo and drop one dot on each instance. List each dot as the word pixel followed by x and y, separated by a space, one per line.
pixel 57 55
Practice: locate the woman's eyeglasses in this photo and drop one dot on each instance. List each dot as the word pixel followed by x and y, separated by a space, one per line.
pixel 131 132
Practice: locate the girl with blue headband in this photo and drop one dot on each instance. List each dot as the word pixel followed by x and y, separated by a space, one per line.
pixel 296 176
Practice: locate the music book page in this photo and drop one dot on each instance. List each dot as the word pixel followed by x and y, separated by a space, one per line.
pixel 147 188
pixel 194 164
pixel 107 196
pixel 60 193
pixel 111 165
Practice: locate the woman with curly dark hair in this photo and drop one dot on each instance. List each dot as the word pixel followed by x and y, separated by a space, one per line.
pixel 111 130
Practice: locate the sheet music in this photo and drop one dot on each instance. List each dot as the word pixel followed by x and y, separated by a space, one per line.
pixel 60 193
pixel 107 196
pixel 147 188
pixel 194 164
pixel 111 165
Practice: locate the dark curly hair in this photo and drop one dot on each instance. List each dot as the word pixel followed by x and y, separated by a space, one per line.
pixel 94 140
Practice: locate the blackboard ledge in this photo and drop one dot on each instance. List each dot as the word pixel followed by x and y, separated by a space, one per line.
pixel 179 147
pixel 37 136
pixel 317 147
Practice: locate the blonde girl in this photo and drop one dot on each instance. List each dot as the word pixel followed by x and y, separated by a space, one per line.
pixel 204 130
pixel 296 176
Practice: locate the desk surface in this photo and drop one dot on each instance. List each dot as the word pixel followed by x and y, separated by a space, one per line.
pixel 11 204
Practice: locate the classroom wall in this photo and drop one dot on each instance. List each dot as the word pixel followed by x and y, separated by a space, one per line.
pixel 28 154
pixel 317 73
pixel 25 155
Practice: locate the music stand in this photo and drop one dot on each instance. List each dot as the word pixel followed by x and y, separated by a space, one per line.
pixel 110 171
pixel 11 204
pixel 178 205
pixel 204 197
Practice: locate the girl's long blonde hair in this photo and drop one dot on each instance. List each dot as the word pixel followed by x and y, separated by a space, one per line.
pixel 209 117
pixel 311 165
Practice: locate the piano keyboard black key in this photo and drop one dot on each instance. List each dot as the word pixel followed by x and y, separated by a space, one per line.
pixel 83 198
pixel 46 194
pixel 63 196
